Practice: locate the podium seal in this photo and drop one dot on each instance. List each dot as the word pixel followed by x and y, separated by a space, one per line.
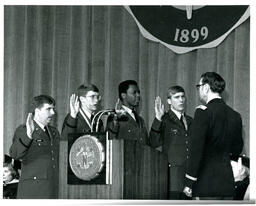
pixel 86 157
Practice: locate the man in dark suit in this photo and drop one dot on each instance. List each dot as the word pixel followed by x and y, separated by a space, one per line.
pixel 169 130
pixel 82 108
pixel 215 134
pixel 130 126
pixel 36 144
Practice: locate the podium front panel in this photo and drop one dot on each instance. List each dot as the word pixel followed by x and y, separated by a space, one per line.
pixel 145 172
pixel 138 172
pixel 87 158
pixel 92 191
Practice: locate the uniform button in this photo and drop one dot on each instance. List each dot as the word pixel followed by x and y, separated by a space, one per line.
pixel 169 165
pixel 129 130
pixel 52 151
pixel 51 144
pixel 52 158
pixel 187 157
pixel 186 142
pixel 53 166
pixel 34 178
pixel 187 149
pixel 186 135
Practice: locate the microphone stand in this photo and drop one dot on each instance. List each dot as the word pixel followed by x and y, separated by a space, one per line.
pixel 97 119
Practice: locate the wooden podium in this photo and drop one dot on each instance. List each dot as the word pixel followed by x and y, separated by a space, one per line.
pixel 138 172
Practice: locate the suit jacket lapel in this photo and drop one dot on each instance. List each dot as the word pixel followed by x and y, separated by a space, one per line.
pixel 173 117
pixel 133 121
pixel 49 132
pixel 188 121
pixel 83 120
pixel 39 131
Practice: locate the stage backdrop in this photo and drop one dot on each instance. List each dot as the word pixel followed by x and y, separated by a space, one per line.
pixel 53 49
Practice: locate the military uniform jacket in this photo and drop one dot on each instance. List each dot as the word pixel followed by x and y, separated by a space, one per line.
pixel 215 134
pixel 127 128
pixel 172 136
pixel 39 162
pixel 76 125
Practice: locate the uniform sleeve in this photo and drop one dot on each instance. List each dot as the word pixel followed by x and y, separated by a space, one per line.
pixel 197 135
pixel 69 126
pixel 57 136
pixel 20 143
pixel 145 132
pixel 112 127
pixel 155 134
pixel 237 141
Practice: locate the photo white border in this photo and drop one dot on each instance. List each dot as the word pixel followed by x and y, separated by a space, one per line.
pixel 140 2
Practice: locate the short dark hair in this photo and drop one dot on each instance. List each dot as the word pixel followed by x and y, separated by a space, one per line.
pixel 40 100
pixel 175 89
pixel 13 172
pixel 216 82
pixel 82 90
pixel 124 86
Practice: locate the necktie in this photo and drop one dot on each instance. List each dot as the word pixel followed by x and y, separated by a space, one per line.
pixel 136 116
pixel 46 131
pixel 183 121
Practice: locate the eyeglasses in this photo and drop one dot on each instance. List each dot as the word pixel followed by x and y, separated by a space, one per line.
pixel 199 85
pixel 98 97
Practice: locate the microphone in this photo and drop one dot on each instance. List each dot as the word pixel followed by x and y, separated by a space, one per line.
pixel 110 112
pixel 117 113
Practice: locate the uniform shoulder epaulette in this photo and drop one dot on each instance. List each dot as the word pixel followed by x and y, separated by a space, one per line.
pixel 201 107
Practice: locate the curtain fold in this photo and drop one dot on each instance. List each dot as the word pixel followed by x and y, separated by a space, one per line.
pixel 54 49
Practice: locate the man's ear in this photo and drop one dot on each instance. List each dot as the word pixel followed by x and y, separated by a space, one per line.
pixel 36 110
pixel 207 88
pixel 169 101
pixel 123 95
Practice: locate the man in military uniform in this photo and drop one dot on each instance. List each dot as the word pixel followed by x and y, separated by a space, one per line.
pixel 130 126
pixel 82 108
pixel 36 144
pixel 215 134
pixel 169 130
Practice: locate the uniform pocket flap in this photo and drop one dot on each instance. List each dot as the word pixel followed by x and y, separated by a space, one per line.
pixel 34 173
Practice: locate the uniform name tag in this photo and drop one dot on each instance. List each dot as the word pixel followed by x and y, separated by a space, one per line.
pixel 174 131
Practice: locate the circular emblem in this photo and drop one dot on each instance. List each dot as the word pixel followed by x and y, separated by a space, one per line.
pixel 184 28
pixel 86 157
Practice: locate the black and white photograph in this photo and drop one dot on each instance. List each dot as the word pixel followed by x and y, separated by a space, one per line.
pixel 128 103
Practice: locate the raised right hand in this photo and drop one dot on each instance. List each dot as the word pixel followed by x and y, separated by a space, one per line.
pixel 30 125
pixel 119 110
pixel 159 108
pixel 74 105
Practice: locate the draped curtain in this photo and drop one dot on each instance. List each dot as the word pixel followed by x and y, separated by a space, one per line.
pixel 54 49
